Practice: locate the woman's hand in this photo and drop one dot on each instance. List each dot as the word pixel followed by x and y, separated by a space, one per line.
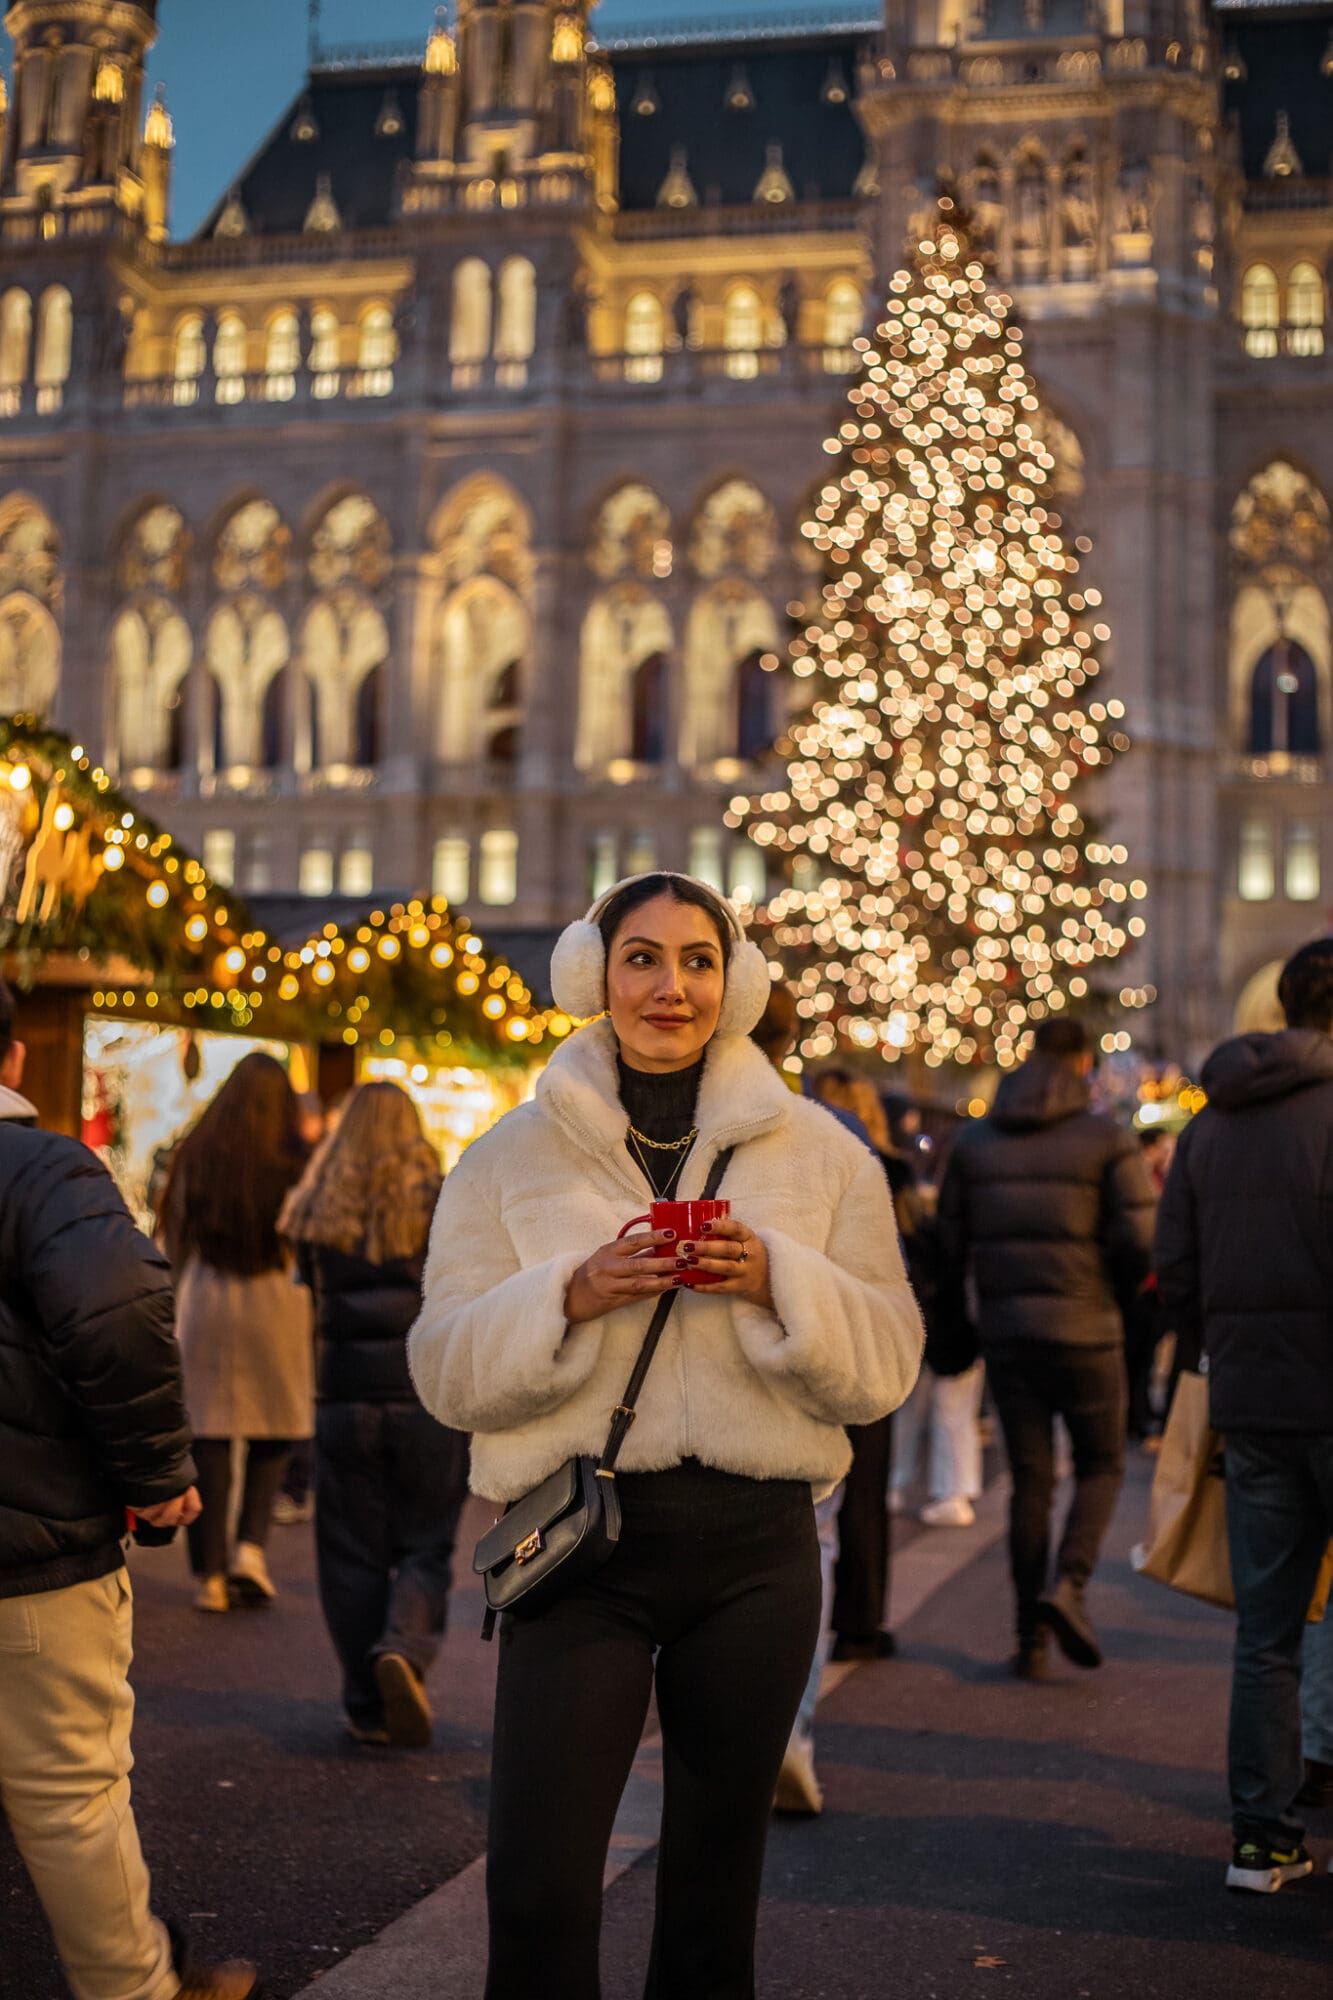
pixel 622 1273
pixel 731 1253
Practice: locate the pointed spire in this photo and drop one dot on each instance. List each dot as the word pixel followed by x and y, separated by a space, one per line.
pixel 323 217
pixel 774 183
pixel 677 190
pixel 1283 161
pixel 158 130
pixel 233 220
pixel 441 58
pixel 567 39
pixel 109 87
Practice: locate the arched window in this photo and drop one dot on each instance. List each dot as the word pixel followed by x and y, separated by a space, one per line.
pixel 483 638
pixel 470 323
pixel 742 331
pixel 844 311
pixel 516 322
pixel 376 352
pixel 29 656
pixel 366 748
pixel 187 361
pixel 754 707
pixel 343 643
pixel 648 721
pixel 1260 311
pixel 229 358
pixel 1305 310
pixel 324 355
pixel 55 338
pixel 150 658
pixel 282 357
pixel 1284 703
pixel 246 648
pixel 645 337
pixel 15 344
pixel 274 731
pixel 727 708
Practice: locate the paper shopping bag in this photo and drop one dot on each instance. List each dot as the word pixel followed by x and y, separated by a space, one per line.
pixel 1186 1547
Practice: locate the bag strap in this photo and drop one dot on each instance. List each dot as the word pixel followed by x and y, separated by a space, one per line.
pixel 624 1411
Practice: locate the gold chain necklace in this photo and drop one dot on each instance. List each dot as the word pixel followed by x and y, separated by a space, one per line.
pixel 665 1145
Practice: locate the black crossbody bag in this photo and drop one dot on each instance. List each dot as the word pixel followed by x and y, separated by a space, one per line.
pixel 569 1525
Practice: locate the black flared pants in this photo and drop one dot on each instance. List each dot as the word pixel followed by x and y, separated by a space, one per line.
pixel 713 1596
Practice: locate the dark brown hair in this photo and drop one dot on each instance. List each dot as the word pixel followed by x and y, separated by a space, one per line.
pixel 1061 1036
pixel 230 1174
pixel 1306 986
pixel 681 889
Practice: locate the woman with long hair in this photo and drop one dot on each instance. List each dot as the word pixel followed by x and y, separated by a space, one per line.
pixel 242 1321
pixel 795 1319
pixel 389 1481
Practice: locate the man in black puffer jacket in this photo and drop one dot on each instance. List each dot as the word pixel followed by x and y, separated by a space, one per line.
pixel 1245 1258
pixel 1047 1208
pixel 92 1423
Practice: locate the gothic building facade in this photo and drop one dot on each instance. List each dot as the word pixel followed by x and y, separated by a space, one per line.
pixel 432 518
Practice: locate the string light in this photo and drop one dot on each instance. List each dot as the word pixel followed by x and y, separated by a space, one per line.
pixel 943 890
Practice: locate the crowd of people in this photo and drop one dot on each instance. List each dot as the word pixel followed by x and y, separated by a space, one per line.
pixel 322 1301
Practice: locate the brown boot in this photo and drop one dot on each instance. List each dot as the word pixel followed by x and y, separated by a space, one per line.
pixel 236 1981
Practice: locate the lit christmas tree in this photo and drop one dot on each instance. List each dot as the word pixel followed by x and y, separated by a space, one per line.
pixel 944 890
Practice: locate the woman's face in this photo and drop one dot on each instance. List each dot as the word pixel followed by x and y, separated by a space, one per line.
pixel 664 980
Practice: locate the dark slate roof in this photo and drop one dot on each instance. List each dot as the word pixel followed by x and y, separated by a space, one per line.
pixel 1282 49
pixel 278 185
pixel 823 148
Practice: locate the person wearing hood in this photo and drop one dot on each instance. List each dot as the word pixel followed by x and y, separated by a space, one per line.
pixel 1245 1260
pixel 533 1314
pixel 1047 1211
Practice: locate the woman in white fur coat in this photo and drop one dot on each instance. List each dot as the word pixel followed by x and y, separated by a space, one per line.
pixel 533 1315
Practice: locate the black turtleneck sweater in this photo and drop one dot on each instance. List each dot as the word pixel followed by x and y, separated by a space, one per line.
pixel 662 1108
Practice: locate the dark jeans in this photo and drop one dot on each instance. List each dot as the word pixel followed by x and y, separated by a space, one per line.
pixel 265 1462
pixel 1143 1330
pixel 1279 1518
pixel 389 1486
pixel 861 1578
pixel 718 1578
pixel 1033 1383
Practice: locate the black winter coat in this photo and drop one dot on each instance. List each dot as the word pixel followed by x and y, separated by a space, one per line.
pixel 92 1418
pixel 1245 1232
pixel 1050 1208
pixel 363 1312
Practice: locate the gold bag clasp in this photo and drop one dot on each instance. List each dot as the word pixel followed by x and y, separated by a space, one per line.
pixel 529 1547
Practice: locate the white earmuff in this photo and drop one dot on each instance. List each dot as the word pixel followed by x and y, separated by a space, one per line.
pixel 578 967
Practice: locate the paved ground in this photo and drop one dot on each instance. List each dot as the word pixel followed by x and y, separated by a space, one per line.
pixel 982 1838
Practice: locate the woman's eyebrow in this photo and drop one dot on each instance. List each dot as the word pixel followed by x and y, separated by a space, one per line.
pixel 655 944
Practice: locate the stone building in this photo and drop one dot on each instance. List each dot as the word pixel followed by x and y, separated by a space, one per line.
pixel 432 517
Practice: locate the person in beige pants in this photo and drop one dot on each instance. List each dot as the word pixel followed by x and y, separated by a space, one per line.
pixel 92 1425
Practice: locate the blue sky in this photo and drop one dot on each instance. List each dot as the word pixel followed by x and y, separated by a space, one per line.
pixel 230 70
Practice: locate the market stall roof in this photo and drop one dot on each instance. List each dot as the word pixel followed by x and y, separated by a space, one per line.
pixel 85 875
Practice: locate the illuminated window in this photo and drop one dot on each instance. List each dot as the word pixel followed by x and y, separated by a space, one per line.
pixel 451 869
pixel 1256 879
pixel 315 877
pixel 1284 703
pixel 376 353
pixel 497 873
pixel 324 356
pixel 1305 310
pixel 1301 870
pixel 705 855
pixel 844 311
pixel 644 338
pixel 470 321
pixel 55 335
pixel 601 864
pixel 282 357
pixel 1260 311
pixel 220 854
pixel 229 358
pixel 742 331
pixel 187 361
pixel 356 869
pixel 641 856
pixel 15 344
pixel 516 322
pixel 258 864
pixel 749 876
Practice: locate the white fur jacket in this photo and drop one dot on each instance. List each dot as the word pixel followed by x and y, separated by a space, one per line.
pixel 743 1389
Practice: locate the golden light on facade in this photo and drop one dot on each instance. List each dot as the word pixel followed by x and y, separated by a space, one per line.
pixel 944 891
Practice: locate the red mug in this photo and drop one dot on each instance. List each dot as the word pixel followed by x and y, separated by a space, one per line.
pixel 687 1218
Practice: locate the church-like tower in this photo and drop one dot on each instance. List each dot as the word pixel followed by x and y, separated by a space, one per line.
pixel 74 143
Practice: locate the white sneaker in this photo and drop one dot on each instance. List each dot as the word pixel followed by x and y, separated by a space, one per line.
pixel 249 1575
pixel 951 1512
pixel 798 1789
pixel 212 1594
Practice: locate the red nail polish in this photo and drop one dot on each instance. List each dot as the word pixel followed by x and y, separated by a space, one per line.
pixel 705 1228
pixel 687 1248
pixel 670 1235
pixel 682 1263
